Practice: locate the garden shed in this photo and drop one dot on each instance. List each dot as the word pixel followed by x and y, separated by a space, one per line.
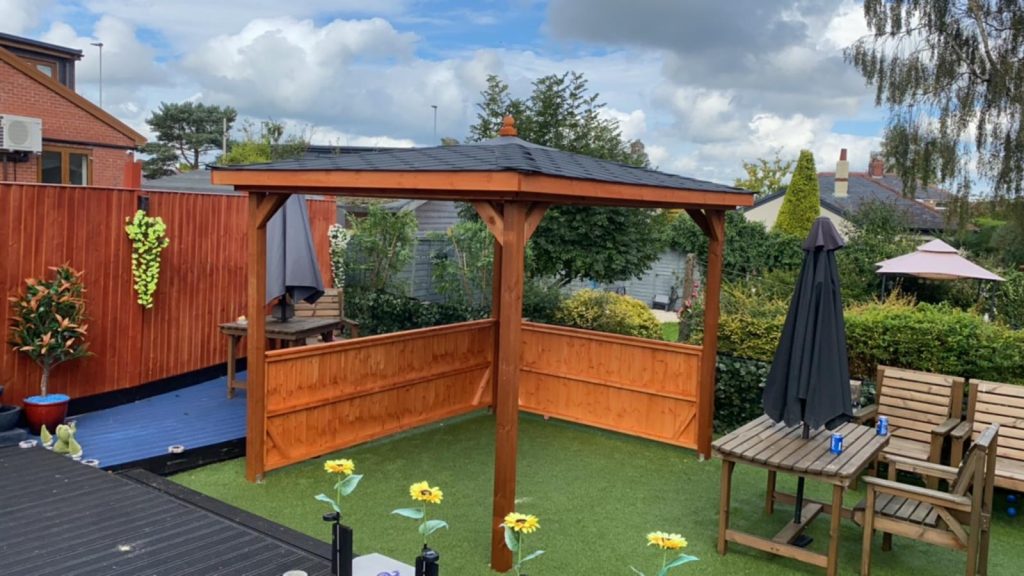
pixel 305 402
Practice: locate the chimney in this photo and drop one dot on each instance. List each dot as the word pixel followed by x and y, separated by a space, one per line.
pixel 876 168
pixel 842 175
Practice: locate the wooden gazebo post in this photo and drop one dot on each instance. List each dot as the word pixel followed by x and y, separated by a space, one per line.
pixel 261 208
pixel 712 222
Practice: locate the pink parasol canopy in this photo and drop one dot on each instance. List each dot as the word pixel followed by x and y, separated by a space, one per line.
pixel 935 260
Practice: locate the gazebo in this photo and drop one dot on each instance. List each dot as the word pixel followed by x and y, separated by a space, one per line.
pixel 305 402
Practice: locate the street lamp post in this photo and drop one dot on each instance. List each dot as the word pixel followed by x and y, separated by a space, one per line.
pixel 100 46
pixel 434 106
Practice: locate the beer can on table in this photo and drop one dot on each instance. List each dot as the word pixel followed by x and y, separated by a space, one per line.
pixel 882 427
pixel 837 443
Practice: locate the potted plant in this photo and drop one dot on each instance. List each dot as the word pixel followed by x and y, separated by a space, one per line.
pixel 47 326
pixel 8 414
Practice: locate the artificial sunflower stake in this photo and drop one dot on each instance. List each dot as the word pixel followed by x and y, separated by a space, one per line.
pixel 427 494
pixel 668 544
pixel 517 526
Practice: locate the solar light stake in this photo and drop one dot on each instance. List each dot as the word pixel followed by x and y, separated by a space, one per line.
pixel 426 563
pixel 341 546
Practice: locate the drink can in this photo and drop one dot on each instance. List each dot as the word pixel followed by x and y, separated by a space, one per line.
pixel 882 427
pixel 837 443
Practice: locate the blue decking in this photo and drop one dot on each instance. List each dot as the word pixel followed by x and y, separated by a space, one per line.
pixel 193 417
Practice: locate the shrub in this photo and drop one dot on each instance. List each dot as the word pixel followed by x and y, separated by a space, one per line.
pixel 802 203
pixel 463 268
pixel 381 245
pixel 750 248
pixel 384 313
pixel 738 389
pixel 933 338
pixel 608 312
pixel 1009 300
pixel 541 300
pixel 750 324
pixel 879 232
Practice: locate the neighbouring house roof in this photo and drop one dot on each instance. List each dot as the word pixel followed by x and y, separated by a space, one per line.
pixel 864 189
pixel 45 47
pixel 503 154
pixel 194 181
pixel 70 95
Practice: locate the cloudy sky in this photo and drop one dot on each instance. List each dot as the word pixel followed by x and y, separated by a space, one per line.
pixel 705 85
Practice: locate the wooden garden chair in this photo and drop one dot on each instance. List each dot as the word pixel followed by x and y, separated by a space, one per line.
pixel 959 519
pixel 923 409
pixel 1003 404
pixel 328 306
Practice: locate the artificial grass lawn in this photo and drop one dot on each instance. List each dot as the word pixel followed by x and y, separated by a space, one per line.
pixel 597 494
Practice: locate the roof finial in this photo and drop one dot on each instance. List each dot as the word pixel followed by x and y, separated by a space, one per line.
pixel 508 126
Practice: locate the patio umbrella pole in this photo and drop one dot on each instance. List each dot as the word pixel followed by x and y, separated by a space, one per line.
pixel 800 484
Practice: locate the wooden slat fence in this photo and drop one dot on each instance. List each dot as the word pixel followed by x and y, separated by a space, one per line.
pixel 331 396
pixel 202 279
pixel 639 387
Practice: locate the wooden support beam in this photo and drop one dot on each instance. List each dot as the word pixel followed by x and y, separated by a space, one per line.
pixel 510 342
pixel 496 314
pixel 261 208
pixel 700 219
pixel 709 352
pixel 533 218
pixel 492 217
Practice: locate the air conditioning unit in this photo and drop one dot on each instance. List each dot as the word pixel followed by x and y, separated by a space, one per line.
pixel 21 134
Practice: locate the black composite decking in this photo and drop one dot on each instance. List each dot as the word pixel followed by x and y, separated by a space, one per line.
pixel 61 518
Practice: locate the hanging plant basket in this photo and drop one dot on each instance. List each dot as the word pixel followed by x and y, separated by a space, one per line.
pixel 149 238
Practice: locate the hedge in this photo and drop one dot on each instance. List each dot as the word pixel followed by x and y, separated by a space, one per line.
pixel 608 312
pixel 739 382
pixel 384 312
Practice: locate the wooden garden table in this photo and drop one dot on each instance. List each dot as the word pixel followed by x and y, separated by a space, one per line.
pixel 780 448
pixel 290 333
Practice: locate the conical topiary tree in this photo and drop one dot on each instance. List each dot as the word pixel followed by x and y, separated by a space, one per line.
pixel 802 202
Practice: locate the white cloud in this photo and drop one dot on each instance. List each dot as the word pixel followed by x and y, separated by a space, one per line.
pixel 633 124
pixel 21 16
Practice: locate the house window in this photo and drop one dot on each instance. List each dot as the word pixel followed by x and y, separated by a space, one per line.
pixel 44 66
pixel 65 166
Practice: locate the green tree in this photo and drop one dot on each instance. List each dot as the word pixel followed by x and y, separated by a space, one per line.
pixel 265 143
pixel 949 71
pixel 163 160
pixel 191 129
pixel 753 250
pixel 765 176
pixel 878 231
pixel 802 202
pixel 382 244
pixel 462 271
pixel 602 244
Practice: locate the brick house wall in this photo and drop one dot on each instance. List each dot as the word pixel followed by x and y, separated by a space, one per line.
pixel 65 123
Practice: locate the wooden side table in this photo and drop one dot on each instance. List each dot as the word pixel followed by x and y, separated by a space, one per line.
pixel 779 448
pixel 290 333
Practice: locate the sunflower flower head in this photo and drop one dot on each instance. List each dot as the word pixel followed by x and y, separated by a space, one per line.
pixel 666 541
pixel 342 466
pixel 424 492
pixel 525 523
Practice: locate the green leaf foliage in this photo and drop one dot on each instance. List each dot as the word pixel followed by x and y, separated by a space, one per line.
pixel 329 500
pixel 266 142
pixel 750 248
pixel 430 526
pixel 765 176
pixel 413 513
pixel 149 238
pixel 602 244
pixel 511 539
pixel 682 559
pixel 346 486
pixel 531 556
pixel 738 388
pixel 463 269
pixel 47 320
pixel 879 232
pixel 384 313
pixel 802 203
pixel 608 312
pixel 190 129
pixel 381 245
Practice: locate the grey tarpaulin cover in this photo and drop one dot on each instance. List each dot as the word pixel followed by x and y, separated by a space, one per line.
pixel 809 381
pixel 291 259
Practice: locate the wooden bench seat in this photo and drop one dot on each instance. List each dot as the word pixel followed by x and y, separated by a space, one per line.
pixel 330 305
pixel 923 408
pixel 1003 404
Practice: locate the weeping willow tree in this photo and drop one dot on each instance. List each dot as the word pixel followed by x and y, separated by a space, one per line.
pixel 951 73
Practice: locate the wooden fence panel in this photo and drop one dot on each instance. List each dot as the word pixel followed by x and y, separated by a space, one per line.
pixel 202 279
pixel 330 396
pixel 640 387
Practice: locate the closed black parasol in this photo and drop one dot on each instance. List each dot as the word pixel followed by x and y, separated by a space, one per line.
pixel 809 381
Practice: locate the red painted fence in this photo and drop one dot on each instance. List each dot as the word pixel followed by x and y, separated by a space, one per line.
pixel 202 279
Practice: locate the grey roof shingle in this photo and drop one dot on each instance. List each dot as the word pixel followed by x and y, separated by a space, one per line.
pixel 864 189
pixel 194 181
pixel 505 154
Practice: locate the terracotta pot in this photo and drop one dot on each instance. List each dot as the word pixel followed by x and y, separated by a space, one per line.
pixel 49 410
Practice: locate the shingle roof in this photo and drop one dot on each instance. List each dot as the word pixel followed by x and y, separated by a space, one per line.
pixel 498 155
pixel 194 181
pixel 864 189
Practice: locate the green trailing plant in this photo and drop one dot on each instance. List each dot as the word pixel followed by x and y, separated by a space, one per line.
pixel 608 312
pixel 339 237
pixel 149 238
pixel 47 321
pixel 802 202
